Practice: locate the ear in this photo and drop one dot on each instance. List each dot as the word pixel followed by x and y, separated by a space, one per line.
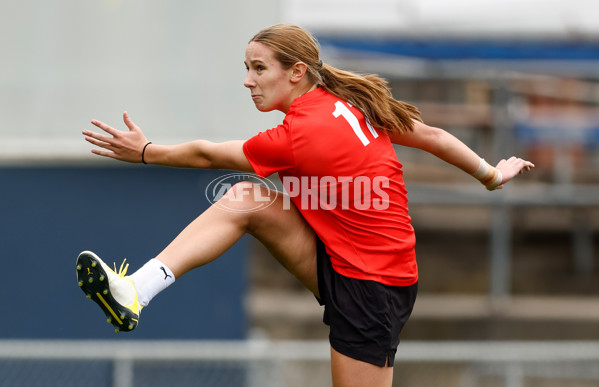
pixel 297 72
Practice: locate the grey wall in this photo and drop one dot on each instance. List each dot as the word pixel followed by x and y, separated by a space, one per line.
pixel 177 68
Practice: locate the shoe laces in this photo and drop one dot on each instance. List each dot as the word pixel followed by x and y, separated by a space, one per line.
pixel 122 271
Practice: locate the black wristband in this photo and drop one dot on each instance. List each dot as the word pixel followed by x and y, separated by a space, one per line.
pixel 144 151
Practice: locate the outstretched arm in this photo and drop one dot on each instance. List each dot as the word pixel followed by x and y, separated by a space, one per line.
pixel 129 145
pixel 450 149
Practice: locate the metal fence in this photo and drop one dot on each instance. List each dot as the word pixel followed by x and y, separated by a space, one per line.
pixel 260 363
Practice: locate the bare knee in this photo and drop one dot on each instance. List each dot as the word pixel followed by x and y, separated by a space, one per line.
pixel 246 200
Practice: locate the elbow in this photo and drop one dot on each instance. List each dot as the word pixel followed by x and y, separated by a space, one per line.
pixel 436 134
pixel 198 157
pixel 435 140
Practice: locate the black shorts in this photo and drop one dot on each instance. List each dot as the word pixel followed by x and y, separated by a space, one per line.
pixel 365 317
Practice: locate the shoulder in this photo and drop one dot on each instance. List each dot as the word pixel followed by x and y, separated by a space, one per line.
pixel 312 99
pixel 312 106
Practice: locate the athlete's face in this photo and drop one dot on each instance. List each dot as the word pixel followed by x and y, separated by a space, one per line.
pixel 267 80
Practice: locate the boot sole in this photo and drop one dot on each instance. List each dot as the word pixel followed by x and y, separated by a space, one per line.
pixel 93 280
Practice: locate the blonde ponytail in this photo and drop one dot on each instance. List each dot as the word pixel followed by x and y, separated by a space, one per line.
pixel 372 96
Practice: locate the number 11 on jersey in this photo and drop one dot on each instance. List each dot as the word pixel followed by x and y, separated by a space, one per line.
pixel 342 110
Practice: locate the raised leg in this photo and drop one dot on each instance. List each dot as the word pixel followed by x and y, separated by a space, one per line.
pixel 280 227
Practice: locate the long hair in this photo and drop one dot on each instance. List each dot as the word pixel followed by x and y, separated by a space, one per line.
pixel 369 93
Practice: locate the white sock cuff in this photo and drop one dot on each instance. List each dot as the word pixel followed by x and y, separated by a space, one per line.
pixel 151 279
pixel 168 274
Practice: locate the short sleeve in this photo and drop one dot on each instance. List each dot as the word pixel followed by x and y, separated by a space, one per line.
pixel 270 151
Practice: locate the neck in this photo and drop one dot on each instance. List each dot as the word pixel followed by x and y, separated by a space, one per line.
pixel 310 88
pixel 300 92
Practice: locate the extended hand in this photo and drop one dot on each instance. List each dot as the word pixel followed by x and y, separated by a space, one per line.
pixel 120 145
pixel 512 167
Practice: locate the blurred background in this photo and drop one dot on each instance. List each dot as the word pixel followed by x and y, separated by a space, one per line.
pixel 509 280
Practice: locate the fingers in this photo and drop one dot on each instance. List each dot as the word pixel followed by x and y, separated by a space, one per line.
pixel 107 128
pixel 524 165
pixel 104 153
pixel 513 167
pixel 98 142
pixel 516 163
pixel 108 149
pixel 129 123
pixel 89 135
pixel 118 144
pixel 114 133
pixel 101 140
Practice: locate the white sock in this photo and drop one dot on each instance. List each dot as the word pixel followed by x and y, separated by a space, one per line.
pixel 151 279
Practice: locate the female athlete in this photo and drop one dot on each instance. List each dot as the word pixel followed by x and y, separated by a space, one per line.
pixel 342 227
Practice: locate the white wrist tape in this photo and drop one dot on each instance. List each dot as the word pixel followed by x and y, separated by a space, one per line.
pixel 488 175
pixel 497 182
pixel 483 169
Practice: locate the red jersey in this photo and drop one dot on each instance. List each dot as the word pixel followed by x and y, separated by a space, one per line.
pixel 345 179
